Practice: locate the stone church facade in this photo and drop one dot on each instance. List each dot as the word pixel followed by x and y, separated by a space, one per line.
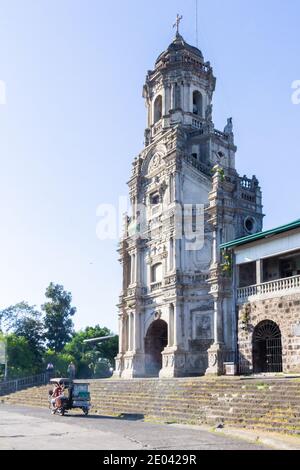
pixel 177 315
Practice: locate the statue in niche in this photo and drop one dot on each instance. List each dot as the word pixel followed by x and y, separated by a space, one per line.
pixel 229 127
pixel 209 112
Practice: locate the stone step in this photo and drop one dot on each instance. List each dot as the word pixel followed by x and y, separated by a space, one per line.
pixel 254 404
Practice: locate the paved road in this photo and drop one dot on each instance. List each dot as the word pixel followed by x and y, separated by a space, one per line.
pixel 33 428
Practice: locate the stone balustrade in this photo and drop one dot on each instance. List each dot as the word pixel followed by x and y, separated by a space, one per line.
pixel 268 289
pixel 156 286
pixel 157 128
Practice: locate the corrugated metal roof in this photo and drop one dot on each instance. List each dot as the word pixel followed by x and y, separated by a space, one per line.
pixel 261 235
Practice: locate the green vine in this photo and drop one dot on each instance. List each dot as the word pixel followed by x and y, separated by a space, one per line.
pixel 227 264
pixel 245 316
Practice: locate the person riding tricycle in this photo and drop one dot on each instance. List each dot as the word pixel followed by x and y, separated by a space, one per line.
pixel 67 395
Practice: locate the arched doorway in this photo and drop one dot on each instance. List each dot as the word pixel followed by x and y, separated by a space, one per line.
pixel 267 347
pixel 155 342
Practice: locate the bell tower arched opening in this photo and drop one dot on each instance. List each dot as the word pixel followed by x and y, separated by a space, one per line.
pixel 197 104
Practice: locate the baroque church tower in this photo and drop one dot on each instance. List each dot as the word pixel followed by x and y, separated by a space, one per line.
pixel 176 313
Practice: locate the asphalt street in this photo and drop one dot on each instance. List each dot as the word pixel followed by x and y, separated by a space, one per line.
pixel 36 429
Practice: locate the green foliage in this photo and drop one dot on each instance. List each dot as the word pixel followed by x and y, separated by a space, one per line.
pixel 219 171
pixel 93 360
pixel 227 264
pixel 24 321
pixel 21 358
pixel 58 317
pixel 245 316
pixel 60 361
pixel 28 333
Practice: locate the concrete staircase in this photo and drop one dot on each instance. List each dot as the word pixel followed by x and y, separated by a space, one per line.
pixel 262 404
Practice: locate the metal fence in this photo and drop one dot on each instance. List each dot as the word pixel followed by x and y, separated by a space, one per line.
pixel 11 386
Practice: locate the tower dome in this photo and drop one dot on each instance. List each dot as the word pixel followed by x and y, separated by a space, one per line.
pixel 179 90
pixel 180 50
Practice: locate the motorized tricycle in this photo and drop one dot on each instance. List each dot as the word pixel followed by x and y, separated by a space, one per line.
pixel 72 395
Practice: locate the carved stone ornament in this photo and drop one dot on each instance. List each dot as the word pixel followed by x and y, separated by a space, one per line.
pixel 212 360
pixel 154 163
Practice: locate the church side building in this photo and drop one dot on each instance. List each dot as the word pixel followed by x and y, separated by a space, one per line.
pixel 176 312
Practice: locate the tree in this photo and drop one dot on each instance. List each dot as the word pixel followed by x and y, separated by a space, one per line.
pixel 21 358
pixel 58 317
pixel 61 362
pixel 92 360
pixel 25 321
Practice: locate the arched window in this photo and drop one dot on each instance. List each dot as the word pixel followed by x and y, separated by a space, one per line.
pixel 156 273
pixel 157 109
pixel 197 103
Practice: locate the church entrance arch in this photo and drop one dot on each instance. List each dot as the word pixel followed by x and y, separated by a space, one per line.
pixel 267 347
pixel 155 342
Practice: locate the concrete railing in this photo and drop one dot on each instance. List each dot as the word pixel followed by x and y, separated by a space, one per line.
pixel 268 289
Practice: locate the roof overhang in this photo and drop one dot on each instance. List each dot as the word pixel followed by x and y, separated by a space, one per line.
pixel 260 236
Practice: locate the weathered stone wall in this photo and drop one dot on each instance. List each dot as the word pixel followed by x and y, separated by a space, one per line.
pixel 285 312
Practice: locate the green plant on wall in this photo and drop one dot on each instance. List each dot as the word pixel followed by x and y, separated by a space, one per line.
pixel 227 263
pixel 219 171
pixel 245 316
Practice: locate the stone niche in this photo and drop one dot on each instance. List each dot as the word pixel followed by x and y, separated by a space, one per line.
pixel 285 313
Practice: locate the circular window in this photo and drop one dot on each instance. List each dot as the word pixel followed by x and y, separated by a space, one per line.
pixel 250 225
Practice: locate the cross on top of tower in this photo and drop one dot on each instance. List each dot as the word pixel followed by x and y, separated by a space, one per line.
pixel 177 24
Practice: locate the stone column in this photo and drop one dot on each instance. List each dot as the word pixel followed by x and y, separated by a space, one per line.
pixel 177 187
pixel 177 325
pixel 218 322
pixel 214 247
pixel 215 352
pixel 182 97
pixel 121 335
pixel 171 326
pixel 119 359
pixel 137 267
pixel 136 331
pixel 171 255
pixel 167 99
pixel 129 332
pixel 134 358
pixel 216 242
pixel 173 356
pixel 188 88
pixel 259 271
pixel 172 96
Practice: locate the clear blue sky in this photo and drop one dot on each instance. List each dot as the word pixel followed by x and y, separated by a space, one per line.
pixel 74 120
